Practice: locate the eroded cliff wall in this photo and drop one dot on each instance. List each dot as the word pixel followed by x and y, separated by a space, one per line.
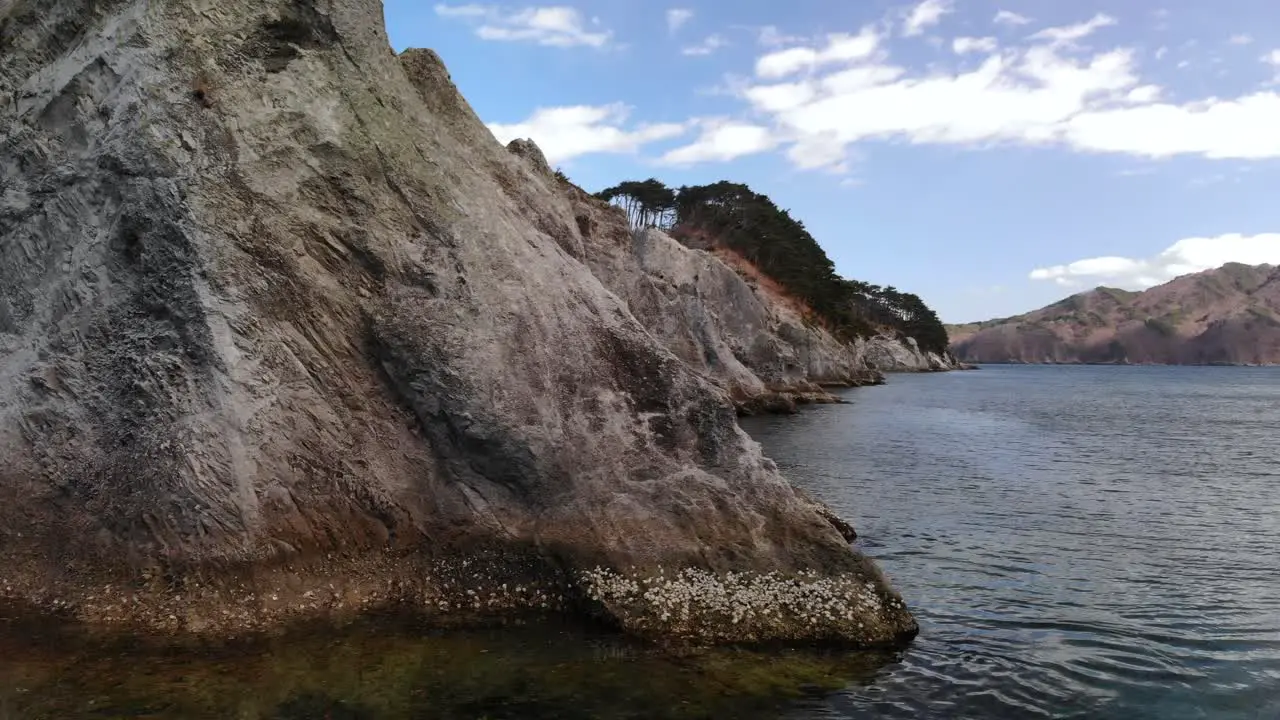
pixel 710 317
pixel 285 332
pixel 892 354
pixel 742 335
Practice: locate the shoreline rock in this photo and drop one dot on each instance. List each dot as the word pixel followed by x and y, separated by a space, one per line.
pixel 667 607
pixel 281 316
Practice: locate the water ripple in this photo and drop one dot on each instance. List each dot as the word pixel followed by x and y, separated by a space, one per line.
pixel 1077 542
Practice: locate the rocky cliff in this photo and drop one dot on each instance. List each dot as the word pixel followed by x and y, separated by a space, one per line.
pixel 284 332
pixel 1227 316
pixel 720 316
pixel 891 354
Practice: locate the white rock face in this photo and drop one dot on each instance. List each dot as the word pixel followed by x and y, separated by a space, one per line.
pixel 890 354
pixel 284 331
pixel 732 331
pixel 711 318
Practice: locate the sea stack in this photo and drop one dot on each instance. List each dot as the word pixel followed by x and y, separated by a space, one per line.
pixel 286 333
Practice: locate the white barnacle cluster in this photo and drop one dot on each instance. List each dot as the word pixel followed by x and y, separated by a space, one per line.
pixel 478 587
pixel 747 600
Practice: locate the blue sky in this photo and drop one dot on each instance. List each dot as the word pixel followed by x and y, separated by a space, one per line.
pixel 990 156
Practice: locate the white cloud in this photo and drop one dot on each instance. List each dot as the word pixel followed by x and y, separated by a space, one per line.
pixel 1071 33
pixel 1183 257
pixel 1161 52
pixel 462 10
pixel 1143 94
pixel 771 36
pixel 708 46
pixel 839 48
pixel 924 15
pixel 1241 39
pixel 820 100
pixel 965 45
pixel 564 133
pixel 1216 129
pixel 1027 97
pixel 677 17
pixel 555 26
pixel 1273 59
pixel 1008 17
pixel 781 97
pixel 816 102
pixel 859 78
pixel 819 152
pixel 723 140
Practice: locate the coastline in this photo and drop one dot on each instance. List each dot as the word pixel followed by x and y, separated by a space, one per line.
pixel 978 364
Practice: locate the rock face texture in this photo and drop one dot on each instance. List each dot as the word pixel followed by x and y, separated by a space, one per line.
pixel 741 335
pixel 708 315
pixel 890 354
pixel 285 332
pixel 1226 316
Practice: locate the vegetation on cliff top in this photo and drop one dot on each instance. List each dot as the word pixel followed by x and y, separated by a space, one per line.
pixel 731 215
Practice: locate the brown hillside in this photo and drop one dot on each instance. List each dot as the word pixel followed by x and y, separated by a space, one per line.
pixel 757 278
pixel 1229 316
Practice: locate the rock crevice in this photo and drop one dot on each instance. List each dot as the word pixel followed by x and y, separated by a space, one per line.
pixel 285 332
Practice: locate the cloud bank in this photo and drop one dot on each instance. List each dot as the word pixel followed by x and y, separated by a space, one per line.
pixel 815 99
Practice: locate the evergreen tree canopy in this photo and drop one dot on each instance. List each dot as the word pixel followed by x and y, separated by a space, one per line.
pixel 750 224
pixel 648 203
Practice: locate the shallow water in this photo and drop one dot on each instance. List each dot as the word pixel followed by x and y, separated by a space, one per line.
pixel 1093 542
pixel 394 670
pixel 1076 542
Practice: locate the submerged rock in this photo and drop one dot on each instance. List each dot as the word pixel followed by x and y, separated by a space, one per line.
pixel 284 332
pixel 392 667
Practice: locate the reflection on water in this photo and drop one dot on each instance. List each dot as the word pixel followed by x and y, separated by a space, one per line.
pixel 387 670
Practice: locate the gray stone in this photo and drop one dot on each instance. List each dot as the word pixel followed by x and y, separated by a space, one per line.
pixel 891 354
pixel 286 333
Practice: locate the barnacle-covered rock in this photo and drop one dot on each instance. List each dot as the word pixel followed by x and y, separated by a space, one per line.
pixel 285 332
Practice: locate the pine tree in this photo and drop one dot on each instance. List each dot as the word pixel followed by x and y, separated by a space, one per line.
pixel 751 225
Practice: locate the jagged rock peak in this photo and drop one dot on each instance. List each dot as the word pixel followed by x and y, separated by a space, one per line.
pixel 285 332
pixel 529 150
pixel 429 76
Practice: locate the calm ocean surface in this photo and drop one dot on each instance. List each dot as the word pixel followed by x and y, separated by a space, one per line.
pixel 1093 542
pixel 1077 542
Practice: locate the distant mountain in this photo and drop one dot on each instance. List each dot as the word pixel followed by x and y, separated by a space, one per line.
pixel 1227 316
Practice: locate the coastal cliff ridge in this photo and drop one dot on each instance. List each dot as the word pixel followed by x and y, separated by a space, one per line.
pixel 286 333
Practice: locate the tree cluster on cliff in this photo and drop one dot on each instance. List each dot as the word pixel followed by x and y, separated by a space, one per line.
pixel 905 312
pixel 749 223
